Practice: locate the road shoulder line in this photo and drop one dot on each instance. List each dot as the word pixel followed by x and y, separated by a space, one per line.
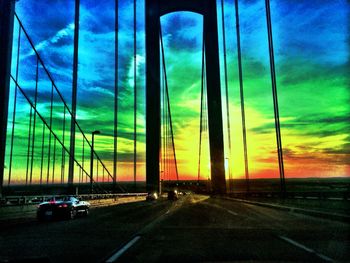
pixel 324 215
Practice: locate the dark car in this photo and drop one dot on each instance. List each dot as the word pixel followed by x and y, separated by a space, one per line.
pixel 173 195
pixel 66 207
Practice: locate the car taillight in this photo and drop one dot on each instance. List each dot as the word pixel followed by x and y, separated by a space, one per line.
pixel 64 205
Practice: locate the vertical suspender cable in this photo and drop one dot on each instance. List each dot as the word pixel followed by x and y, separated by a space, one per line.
pixel 167 131
pixel 29 142
pixel 166 122
pixel 34 121
pixel 80 175
pixel 165 126
pixel 240 73
pixel 83 154
pixel 50 131
pixel 168 102
pixel 14 106
pixel 205 112
pixel 42 154
pixel 116 93
pixel 135 97
pixel 201 112
pixel 97 170
pixel 54 160
pixel 226 91
pixel 63 161
pixel 275 99
pixel 168 170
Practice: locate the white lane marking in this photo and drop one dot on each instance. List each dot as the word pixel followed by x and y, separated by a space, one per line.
pixel 294 243
pixel 121 251
pixel 116 255
pixel 223 208
pixel 231 212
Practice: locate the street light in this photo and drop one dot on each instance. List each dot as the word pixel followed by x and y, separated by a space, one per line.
pixel 92 159
pixel 227 169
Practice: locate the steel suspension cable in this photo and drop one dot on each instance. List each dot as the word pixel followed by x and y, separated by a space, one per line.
pixel 167 159
pixel 226 90
pixel 80 176
pixel 45 123
pixel 54 160
pixel 63 137
pixel 240 73
pixel 164 127
pixel 30 133
pixel 135 96
pixel 205 112
pixel 42 154
pixel 201 111
pixel 29 142
pixel 168 101
pixel 50 128
pixel 97 172
pixel 83 154
pixel 14 106
pixel 116 93
pixel 275 98
pixel 34 121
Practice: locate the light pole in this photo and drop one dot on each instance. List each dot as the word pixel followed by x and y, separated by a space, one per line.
pixel 92 159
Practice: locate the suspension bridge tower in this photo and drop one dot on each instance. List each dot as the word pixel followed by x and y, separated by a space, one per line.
pixel 154 10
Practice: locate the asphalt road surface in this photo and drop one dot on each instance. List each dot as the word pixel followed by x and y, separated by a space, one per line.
pixel 193 229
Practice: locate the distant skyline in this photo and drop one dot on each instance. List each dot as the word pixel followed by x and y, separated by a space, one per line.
pixel 311 41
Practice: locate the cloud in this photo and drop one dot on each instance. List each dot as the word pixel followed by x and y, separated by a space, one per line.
pixel 100 91
pixel 66 32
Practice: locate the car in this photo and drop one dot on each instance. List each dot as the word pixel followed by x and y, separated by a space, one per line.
pixel 66 207
pixel 173 195
pixel 152 196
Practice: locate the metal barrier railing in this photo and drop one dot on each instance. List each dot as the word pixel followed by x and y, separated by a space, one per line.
pixel 35 199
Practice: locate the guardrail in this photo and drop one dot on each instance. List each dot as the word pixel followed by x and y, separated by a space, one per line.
pixel 331 195
pixel 36 199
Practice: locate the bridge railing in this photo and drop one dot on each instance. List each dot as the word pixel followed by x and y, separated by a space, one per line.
pixel 38 145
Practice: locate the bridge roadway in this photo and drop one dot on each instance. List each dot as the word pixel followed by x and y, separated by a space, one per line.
pixel 195 228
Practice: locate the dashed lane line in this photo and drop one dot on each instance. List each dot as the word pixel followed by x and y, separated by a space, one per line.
pixel 222 208
pixel 138 235
pixel 301 246
pixel 121 251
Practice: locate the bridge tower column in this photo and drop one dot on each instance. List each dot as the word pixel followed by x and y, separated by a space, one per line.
pixel 154 10
pixel 7 11
pixel 153 121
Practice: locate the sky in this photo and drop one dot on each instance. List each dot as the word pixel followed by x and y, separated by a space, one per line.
pixel 311 43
